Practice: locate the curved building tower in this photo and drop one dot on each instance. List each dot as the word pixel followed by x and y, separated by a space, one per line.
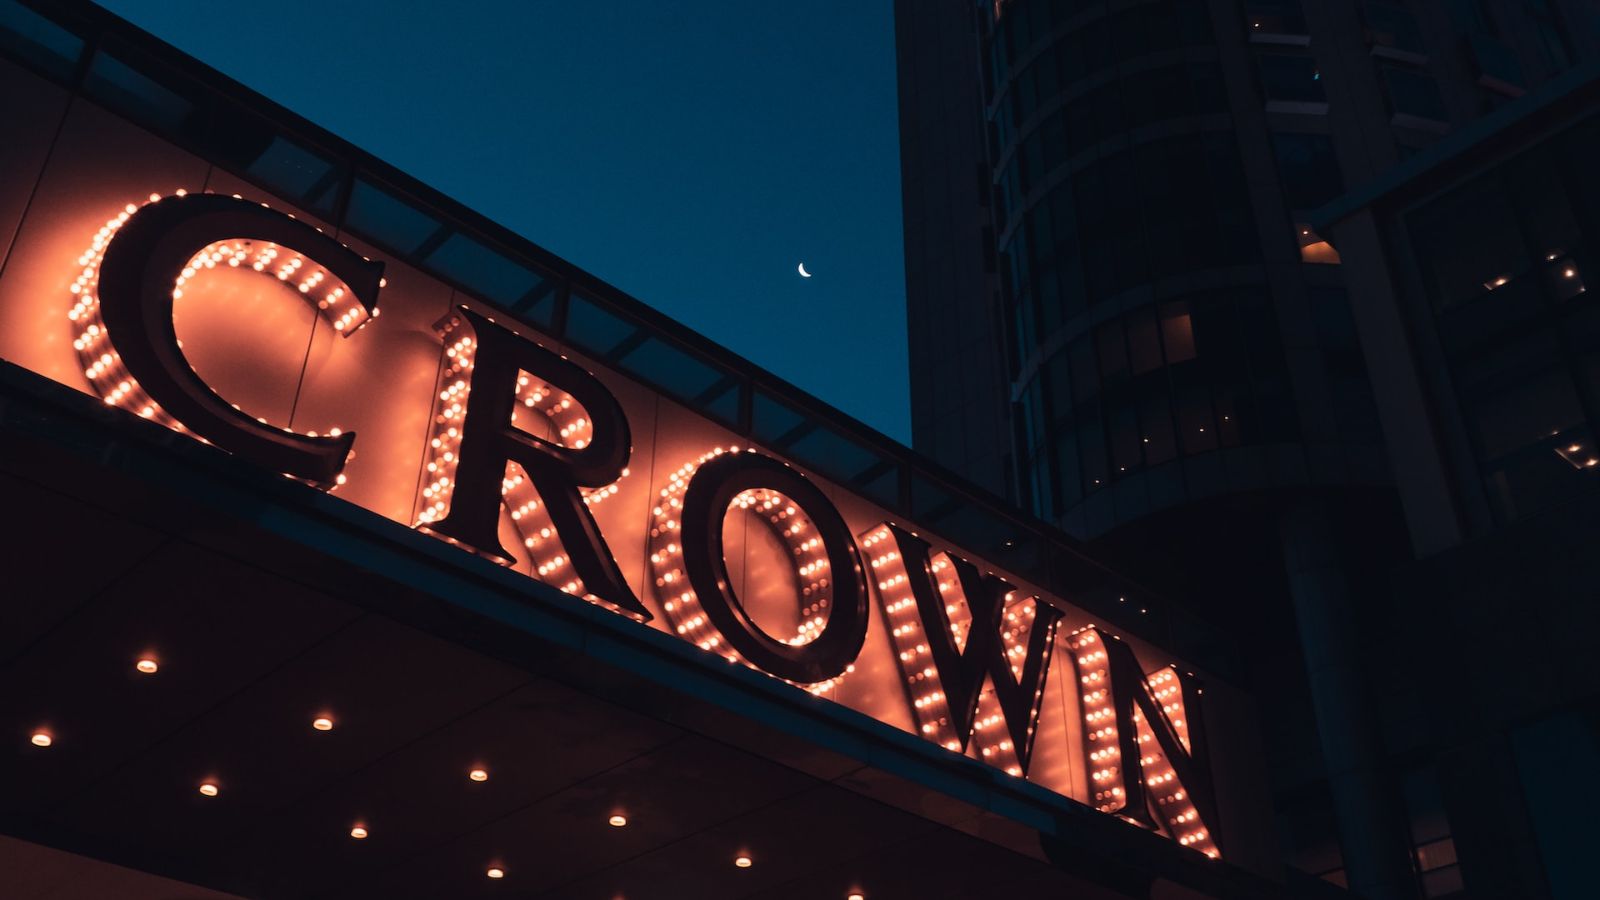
pixel 1177 362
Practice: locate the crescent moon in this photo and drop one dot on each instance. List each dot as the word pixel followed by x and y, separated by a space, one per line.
pixel 803 272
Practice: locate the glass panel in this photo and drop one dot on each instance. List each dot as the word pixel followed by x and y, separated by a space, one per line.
pixel 1468 242
pixel 1177 332
pixel 1144 348
pixel 1547 754
pixel 1309 169
pixel 723 404
pixel 1293 79
pixel 771 420
pixel 1393 27
pixel 296 173
pixel 659 363
pixel 1442 882
pixel 832 453
pixel 1414 94
pixel 597 330
pixel 135 95
pixel 482 271
pixel 376 215
pixel 823 449
pixel 30 36
pixel 929 501
pixel 665 365
pixel 1270 17
pixel 1496 62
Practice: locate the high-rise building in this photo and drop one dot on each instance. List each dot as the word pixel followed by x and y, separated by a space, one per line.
pixel 1470 269
pixel 1185 382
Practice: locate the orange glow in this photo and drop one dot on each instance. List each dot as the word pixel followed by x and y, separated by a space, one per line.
pixel 787 523
pixel 1321 253
pixel 542 411
pixel 1313 249
pixel 894 680
pixel 1175 814
pixel 101 364
pixel 990 739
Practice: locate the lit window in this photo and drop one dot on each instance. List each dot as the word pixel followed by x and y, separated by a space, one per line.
pixel 1313 249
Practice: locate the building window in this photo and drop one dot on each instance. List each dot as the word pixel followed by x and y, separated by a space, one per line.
pixel 1433 850
pixel 1309 169
pixel 1291 83
pixel 1313 249
pixel 1392 31
pixel 1414 99
pixel 1548 753
pixel 1308 833
pixel 1277 22
pixel 1177 332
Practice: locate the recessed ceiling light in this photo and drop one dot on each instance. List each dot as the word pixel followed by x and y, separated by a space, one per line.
pixel 479 774
pixel 618 821
pixel 209 788
pixel 856 895
pixel 496 872
pixel 743 862
pixel 147 665
pixel 359 832
pixel 42 739
pixel 322 723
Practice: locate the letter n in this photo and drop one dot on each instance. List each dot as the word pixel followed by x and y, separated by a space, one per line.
pixel 1143 737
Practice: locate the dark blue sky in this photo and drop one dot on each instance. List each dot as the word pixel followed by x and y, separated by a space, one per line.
pixel 691 153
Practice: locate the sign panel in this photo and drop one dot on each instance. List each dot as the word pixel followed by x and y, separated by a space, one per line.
pixel 244 324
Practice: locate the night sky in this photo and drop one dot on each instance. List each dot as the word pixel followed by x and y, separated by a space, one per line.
pixel 691 153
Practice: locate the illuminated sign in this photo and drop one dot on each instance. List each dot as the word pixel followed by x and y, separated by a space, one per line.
pixel 509 446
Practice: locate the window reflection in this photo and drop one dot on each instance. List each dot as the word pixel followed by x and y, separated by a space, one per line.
pixel 141 98
pixel 30 36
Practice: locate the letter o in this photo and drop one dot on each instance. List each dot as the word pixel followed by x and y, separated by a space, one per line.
pixel 712 488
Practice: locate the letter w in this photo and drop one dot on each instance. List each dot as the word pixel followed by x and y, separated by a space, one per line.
pixel 1007 645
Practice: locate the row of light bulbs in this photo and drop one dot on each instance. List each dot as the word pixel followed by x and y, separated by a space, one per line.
pixel 552 410
pixel 103 366
pixel 990 736
pixel 1107 772
pixel 787 523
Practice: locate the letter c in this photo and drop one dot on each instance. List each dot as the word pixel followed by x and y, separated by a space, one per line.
pixel 142 264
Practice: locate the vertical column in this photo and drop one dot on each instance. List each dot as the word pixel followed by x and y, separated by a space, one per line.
pixel 1372 824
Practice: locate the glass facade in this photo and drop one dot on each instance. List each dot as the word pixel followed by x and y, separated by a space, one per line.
pixel 1503 261
pixel 1142 327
